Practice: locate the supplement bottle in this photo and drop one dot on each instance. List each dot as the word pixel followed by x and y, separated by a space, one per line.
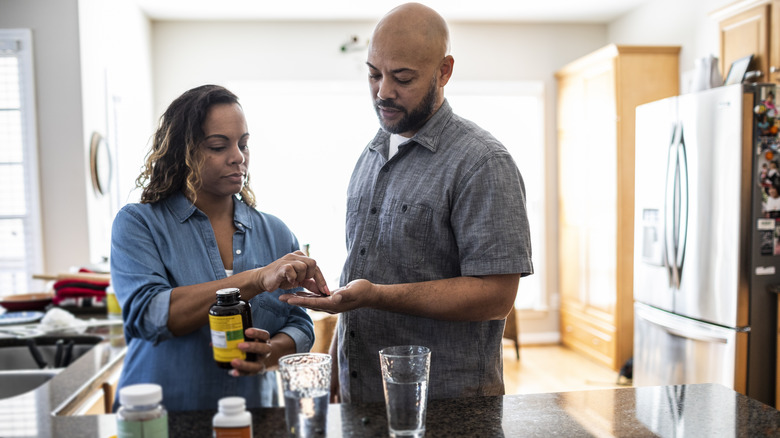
pixel 116 330
pixel 228 318
pixel 141 415
pixel 232 420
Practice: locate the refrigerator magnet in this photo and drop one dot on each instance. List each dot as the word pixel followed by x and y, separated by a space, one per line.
pixel 766 224
pixel 767 243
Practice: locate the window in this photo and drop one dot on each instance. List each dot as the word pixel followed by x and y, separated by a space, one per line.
pixel 20 247
pixel 323 127
pixel 514 113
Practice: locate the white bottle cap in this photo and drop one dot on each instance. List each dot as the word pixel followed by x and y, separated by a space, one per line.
pixel 232 405
pixel 143 394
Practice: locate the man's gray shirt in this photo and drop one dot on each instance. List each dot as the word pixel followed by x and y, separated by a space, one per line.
pixel 450 203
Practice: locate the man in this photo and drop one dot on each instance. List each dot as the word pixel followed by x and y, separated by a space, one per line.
pixel 437 233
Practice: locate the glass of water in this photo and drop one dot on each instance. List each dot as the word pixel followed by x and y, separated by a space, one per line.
pixel 306 386
pixel 405 372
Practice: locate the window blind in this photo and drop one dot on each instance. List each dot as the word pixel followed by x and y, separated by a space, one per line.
pixel 20 254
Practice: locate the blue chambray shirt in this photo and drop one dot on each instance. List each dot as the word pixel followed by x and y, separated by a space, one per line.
pixel 157 247
pixel 450 203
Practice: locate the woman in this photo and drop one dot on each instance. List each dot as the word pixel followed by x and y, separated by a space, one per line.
pixel 194 232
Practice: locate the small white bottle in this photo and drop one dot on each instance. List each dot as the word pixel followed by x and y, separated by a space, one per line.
pixel 141 414
pixel 232 420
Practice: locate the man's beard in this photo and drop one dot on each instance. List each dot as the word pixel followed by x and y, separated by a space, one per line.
pixel 411 121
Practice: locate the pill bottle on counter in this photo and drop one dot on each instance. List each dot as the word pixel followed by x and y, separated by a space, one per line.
pixel 232 420
pixel 228 318
pixel 141 414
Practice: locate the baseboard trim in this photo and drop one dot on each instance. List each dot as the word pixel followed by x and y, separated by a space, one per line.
pixel 540 338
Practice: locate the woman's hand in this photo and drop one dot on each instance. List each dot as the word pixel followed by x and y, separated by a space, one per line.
pixel 258 341
pixel 291 271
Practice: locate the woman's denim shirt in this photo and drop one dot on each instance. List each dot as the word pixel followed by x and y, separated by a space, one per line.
pixel 157 247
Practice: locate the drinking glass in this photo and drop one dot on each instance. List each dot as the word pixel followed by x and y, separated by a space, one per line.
pixel 405 370
pixel 306 386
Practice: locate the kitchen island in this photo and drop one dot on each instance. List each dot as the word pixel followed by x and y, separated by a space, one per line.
pixel 667 411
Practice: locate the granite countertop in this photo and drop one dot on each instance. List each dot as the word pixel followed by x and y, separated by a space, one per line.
pixel 665 411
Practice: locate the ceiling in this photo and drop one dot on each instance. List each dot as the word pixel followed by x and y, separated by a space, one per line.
pixel 562 11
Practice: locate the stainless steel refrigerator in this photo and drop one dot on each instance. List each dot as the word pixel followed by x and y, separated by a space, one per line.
pixel 705 256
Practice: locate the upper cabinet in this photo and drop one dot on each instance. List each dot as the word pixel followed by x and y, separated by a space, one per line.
pixel 751 27
pixel 597 98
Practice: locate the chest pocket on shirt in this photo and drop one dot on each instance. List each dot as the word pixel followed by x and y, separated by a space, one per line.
pixel 403 232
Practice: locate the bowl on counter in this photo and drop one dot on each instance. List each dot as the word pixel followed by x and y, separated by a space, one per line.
pixel 32 301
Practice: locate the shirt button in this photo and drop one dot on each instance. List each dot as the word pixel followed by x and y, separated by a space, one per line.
pixel 403 209
pixel 386 169
pixel 353 374
pixel 362 251
pixel 352 334
pixel 238 251
pixel 373 210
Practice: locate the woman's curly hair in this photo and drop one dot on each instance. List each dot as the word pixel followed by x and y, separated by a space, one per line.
pixel 173 164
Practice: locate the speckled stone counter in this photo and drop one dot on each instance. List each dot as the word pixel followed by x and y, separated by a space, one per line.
pixel 706 410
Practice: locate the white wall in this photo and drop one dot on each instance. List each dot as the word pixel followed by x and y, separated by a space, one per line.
pixel 117 95
pixel 688 26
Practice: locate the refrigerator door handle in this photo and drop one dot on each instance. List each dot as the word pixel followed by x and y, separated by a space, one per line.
pixel 681 224
pixel 685 328
pixel 670 195
pixel 696 336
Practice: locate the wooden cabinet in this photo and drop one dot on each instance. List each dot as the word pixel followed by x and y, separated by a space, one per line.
pixel 597 97
pixel 751 27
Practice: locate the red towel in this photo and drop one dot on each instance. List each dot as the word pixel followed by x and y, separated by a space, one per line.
pixel 80 292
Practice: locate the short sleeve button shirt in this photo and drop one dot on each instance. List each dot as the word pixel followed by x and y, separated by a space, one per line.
pixel 450 203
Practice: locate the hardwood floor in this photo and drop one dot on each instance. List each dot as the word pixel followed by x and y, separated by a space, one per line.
pixel 554 368
pixel 542 368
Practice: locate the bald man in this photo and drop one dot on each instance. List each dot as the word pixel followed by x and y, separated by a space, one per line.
pixel 437 231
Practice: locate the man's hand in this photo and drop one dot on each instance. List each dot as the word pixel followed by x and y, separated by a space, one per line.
pixel 352 296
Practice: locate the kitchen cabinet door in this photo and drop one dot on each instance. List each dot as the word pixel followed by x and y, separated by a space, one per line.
pixel 597 96
pixel 751 28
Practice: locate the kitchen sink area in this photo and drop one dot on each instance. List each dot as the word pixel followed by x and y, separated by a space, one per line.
pixel 43 352
pixel 13 383
pixel 51 380
pixel 27 363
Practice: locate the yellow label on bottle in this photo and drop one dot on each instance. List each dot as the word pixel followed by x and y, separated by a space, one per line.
pixel 226 333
